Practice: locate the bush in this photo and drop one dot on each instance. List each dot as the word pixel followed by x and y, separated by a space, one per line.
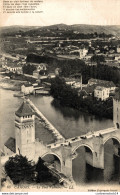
pixel 43 173
pixel 18 168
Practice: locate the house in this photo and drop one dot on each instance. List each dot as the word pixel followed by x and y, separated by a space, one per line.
pixel 89 89
pixel 75 82
pixel 14 69
pixel 27 88
pixel 83 52
pixel 36 74
pixel 88 57
pixel 90 63
pixel 41 66
pixel 117 57
pixel 102 83
pixel 101 93
pixel 118 49
pixel 77 85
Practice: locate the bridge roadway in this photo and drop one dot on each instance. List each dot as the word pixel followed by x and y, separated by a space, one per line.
pixel 50 127
pixel 83 138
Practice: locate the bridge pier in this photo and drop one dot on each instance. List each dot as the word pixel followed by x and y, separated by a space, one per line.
pixel 89 158
pixel 98 154
pixel 66 165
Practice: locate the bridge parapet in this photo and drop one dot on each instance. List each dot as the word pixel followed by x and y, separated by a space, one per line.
pixel 48 125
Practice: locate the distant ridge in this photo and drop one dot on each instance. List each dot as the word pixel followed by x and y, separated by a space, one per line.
pixel 82 28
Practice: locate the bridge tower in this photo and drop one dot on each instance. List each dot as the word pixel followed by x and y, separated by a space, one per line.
pixel 116 110
pixel 25 131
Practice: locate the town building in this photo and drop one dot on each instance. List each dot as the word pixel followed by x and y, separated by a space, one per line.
pixel 75 83
pixel 103 83
pixel 27 88
pixel 36 74
pixel 88 57
pixel 13 69
pixel 41 66
pixel 118 49
pixel 83 52
pixel 91 63
pixel 117 57
pixel 101 93
pixel 88 90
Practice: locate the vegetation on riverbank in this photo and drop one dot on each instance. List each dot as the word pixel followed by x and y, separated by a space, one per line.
pixel 69 97
pixel 69 67
pixel 19 169
pixel 19 77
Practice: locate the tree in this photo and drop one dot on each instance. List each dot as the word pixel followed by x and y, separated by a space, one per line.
pixel 18 168
pixel 28 69
pixel 43 174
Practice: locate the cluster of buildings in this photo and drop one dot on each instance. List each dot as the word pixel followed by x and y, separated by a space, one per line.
pixel 100 89
pixel 110 53
pixel 12 63
pixel 75 83
pixel 111 56
pixel 36 88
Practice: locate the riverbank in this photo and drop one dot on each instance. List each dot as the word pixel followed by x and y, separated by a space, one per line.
pixel 10 84
pixel 69 97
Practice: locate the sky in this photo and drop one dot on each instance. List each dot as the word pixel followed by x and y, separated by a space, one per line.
pixel 96 12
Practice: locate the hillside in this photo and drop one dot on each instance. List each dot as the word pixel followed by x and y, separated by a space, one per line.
pixel 81 28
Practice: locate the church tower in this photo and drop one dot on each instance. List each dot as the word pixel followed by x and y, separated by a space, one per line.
pixel 25 130
pixel 116 110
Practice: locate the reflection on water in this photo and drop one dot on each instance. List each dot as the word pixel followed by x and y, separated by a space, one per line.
pixel 84 173
pixel 69 122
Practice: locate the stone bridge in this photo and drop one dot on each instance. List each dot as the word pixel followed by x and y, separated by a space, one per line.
pixel 66 151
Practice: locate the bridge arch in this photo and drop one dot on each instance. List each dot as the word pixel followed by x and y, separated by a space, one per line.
pixel 82 145
pixel 111 137
pixel 54 154
pixel 81 161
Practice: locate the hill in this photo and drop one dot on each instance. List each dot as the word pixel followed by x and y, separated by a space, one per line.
pixel 81 28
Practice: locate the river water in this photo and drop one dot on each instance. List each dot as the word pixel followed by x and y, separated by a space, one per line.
pixel 70 123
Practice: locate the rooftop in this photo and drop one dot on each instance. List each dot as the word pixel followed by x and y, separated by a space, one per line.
pixel 24 110
pixel 99 88
pixel 10 144
pixel 89 89
pixel 102 83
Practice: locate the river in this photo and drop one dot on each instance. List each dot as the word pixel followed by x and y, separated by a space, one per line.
pixel 70 123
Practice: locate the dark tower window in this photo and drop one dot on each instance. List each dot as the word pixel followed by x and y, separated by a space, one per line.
pixel 118 126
